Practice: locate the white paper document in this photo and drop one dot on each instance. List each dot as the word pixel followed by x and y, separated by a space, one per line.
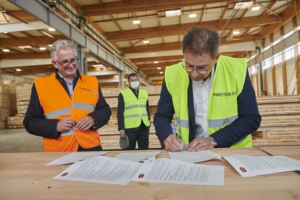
pixel 248 166
pixel 100 169
pixel 73 157
pixel 165 170
pixel 137 157
pixel 194 157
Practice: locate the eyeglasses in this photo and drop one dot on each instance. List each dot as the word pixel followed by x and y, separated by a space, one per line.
pixel 66 63
pixel 197 69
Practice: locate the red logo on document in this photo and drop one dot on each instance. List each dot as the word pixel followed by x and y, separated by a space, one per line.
pixel 141 175
pixel 65 174
pixel 243 169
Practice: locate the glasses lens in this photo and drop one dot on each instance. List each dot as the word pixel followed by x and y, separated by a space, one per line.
pixel 74 61
pixel 189 69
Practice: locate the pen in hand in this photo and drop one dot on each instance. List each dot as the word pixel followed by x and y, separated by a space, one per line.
pixel 180 141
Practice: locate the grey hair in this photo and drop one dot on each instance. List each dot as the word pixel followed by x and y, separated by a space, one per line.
pixel 200 40
pixel 61 44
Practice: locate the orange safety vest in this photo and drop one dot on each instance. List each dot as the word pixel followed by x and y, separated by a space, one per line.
pixel 57 104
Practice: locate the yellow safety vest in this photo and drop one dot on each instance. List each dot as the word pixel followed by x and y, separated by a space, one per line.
pixel 135 108
pixel 222 106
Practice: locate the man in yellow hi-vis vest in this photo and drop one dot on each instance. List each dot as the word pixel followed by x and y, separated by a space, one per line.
pixel 134 114
pixel 67 108
pixel 211 96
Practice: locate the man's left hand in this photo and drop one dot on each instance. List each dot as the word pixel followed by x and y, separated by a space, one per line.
pixel 199 144
pixel 85 123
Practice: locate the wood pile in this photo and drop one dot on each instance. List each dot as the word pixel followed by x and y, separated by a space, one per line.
pixel 280 121
pixel 7 105
pixel 23 92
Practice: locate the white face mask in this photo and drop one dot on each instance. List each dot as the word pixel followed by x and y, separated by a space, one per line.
pixel 135 84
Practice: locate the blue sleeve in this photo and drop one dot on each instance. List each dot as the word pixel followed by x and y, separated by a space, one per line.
pixel 248 121
pixel 163 116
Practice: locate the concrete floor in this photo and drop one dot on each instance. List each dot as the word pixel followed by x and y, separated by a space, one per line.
pixel 18 140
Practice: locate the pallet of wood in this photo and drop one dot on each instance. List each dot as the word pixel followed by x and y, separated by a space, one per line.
pixel 280 123
pixel 15 122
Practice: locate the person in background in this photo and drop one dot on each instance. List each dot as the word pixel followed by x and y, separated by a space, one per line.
pixel 133 114
pixel 67 108
pixel 211 95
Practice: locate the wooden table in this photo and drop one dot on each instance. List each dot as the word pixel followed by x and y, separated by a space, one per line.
pixel 290 151
pixel 24 176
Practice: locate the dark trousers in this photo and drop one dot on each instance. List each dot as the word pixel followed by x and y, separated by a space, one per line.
pixel 140 135
pixel 97 148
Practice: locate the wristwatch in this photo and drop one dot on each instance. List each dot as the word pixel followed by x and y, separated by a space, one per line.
pixel 213 141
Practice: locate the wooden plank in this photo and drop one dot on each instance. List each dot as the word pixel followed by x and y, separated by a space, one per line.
pixel 279 109
pixel 278 99
pixel 278 121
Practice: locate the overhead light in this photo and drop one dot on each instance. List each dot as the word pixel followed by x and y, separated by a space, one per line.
pixel 255 8
pixel 100 65
pixel 171 13
pixel 155 62
pixel 18 70
pixel 235 32
pixel 146 41
pixel 24 47
pixel 50 45
pixel 5 50
pixel 4 32
pixel 193 15
pixel 136 22
pixel 161 72
pixel 42 48
pixel 242 5
pixel 51 29
pixel 159 68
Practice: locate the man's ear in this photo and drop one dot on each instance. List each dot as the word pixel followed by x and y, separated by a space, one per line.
pixel 216 58
pixel 54 63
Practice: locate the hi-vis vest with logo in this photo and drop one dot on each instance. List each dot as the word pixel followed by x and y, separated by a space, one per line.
pixel 135 108
pixel 228 83
pixel 57 104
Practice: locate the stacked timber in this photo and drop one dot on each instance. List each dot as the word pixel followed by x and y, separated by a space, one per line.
pixel 4 104
pixel 280 121
pixel 109 133
pixel 23 91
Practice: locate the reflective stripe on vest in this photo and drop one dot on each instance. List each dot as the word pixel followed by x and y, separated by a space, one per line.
pixel 223 96
pixel 182 123
pixel 135 108
pixel 84 106
pixel 58 113
pixel 215 123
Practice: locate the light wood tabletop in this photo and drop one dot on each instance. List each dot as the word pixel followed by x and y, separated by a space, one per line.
pixel 289 151
pixel 25 176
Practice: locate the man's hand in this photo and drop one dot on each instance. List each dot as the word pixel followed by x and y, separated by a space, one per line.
pixel 122 133
pixel 199 144
pixel 65 124
pixel 173 144
pixel 85 123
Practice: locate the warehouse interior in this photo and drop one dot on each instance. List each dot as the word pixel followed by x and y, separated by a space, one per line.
pixel 118 37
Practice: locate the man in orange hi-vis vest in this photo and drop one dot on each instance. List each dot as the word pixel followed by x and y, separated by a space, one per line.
pixel 67 108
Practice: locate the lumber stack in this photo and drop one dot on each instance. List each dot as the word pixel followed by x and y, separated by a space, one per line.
pixel 280 121
pixel 23 92
pixel 4 103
